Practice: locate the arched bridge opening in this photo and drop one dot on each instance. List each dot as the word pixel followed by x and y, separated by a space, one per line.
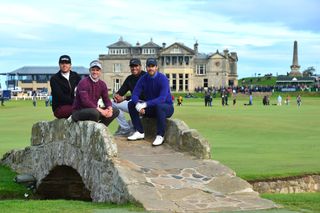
pixel 63 182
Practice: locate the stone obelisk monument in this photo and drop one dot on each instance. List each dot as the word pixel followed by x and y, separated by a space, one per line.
pixel 295 67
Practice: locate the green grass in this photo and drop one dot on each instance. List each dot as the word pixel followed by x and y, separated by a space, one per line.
pixel 8 188
pixel 59 206
pixel 304 202
pixel 256 141
pixel 16 120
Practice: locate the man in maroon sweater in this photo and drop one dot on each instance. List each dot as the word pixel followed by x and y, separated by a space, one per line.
pixel 89 91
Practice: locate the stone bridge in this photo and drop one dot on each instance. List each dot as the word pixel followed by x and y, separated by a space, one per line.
pixel 84 161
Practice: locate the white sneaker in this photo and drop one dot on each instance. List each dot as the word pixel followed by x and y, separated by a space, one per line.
pixel 136 136
pixel 158 141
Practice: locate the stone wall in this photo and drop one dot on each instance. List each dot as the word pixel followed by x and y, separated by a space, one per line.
pixel 87 147
pixel 180 137
pixel 90 150
pixel 309 183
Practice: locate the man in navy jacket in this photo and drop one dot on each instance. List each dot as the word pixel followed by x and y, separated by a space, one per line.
pixel 158 102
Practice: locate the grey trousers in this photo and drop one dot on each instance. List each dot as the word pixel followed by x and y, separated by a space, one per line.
pixel 93 114
pixel 123 107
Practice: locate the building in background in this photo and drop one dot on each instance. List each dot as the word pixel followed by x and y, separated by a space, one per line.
pixel 186 68
pixel 35 78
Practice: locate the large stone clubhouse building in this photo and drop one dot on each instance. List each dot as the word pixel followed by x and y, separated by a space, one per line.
pixel 186 68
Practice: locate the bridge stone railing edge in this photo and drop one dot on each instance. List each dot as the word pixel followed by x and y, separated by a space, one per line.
pixel 180 137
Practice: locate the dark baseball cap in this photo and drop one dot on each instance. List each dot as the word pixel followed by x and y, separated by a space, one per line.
pixel 134 61
pixel 151 61
pixel 65 59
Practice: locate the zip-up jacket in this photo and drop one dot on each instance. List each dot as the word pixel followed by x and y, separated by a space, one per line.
pixel 129 84
pixel 155 88
pixel 62 90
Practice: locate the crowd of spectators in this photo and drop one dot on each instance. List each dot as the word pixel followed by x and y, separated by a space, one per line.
pixel 259 88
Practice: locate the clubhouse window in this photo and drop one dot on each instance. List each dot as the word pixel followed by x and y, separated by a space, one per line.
pixel 180 85
pixel 186 59
pixel 205 82
pixel 116 67
pixel 201 69
pixel 174 85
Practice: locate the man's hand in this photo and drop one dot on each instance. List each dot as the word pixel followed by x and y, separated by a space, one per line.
pixel 118 98
pixel 106 112
pixel 140 106
pixel 142 111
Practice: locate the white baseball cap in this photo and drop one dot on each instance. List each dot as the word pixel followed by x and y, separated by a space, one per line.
pixel 95 63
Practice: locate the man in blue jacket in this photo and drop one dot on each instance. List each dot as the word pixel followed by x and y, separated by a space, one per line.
pixel 158 102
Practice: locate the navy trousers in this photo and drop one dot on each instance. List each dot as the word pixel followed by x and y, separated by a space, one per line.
pixel 160 112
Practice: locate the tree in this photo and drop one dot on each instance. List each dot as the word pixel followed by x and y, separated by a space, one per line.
pixel 308 72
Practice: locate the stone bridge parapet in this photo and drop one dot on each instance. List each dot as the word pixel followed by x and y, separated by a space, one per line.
pixel 89 148
pixel 84 161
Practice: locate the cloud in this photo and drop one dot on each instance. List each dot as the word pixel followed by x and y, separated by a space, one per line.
pixel 254 29
pixel 119 18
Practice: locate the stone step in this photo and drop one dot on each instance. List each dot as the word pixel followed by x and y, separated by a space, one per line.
pixel 162 179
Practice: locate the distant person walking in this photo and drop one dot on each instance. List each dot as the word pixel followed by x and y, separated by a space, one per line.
pixel 226 97
pixel 234 97
pixel 207 99
pixel 210 101
pixel 179 100
pixel 279 100
pixel 50 100
pixel 63 85
pixel 2 99
pixel 287 100
pixel 47 101
pixel 265 100
pixel 299 100
pixel 34 98
pixel 250 99
pixel 222 97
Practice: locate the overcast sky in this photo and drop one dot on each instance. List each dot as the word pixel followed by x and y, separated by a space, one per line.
pixel 37 32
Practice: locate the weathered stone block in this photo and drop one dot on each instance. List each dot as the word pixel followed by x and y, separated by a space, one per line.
pixel 180 137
